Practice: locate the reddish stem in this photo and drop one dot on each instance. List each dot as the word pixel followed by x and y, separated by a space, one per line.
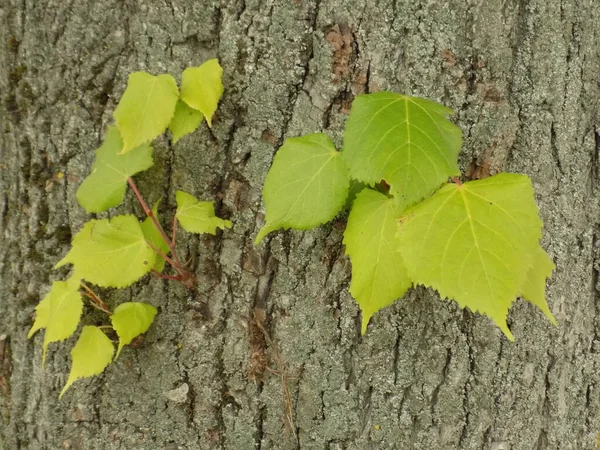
pixel 167 277
pixel 174 230
pixel 163 255
pixel 457 181
pixel 92 296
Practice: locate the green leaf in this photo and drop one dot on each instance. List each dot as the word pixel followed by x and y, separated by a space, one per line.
pixel 64 307
pixel 196 216
pixel 154 237
pixel 105 186
pixel 130 320
pixel 534 288
pixel 202 87
pixel 185 121
pixel 110 253
pixel 474 242
pixel 406 141
pixel 306 186
pixel 146 108
pixel 91 354
pixel 42 313
pixel 378 273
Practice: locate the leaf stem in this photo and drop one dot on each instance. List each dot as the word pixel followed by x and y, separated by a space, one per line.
pixel 164 256
pixel 96 302
pixel 457 181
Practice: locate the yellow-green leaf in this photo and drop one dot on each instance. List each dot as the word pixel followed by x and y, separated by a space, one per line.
pixel 110 253
pixel 534 288
pixel 185 121
pixel 42 312
pixel 196 216
pixel 145 109
pixel 202 87
pixel 130 320
pixel 154 237
pixel 378 274
pixel 91 354
pixel 105 186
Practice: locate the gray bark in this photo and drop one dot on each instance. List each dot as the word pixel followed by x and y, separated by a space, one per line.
pixel 524 79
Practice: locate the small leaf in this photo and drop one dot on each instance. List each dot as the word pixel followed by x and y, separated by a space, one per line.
pixel 64 309
pixel 91 354
pixel 130 320
pixel 105 186
pixel 474 242
pixel 196 216
pixel 185 121
pixel 202 87
pixel 146 108
pixel 110 253
pixel 154 237
pixel 406 141
pixel 42 313
pixel 534 288
pixel 378 273
pixel 307 185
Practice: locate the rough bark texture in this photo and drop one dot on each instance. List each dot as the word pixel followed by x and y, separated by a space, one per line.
pixel 523 77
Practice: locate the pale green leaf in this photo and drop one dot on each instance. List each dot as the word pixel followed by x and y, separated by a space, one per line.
pixel 145 109
pixel 63 313
pixel 307 185
pixel 202 87
pixel 91 354
pixel 185 121
pixel 130 320
pixel 105 186
pixel 154 237
pixel 42 312
pixel 378 273
pixel 474 242
pixel 534 288
pixel 196 216
pixel 406 141
pixel 110 253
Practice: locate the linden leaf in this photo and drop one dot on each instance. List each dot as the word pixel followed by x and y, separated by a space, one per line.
pixel 307 185
pixel 62 313
pixel 185 121
pixel 105 186
pixel 110 253
pixel 196 216
pixel 406 141
pixel 42 312
pixel 474 242
pixel 534 288
pixel 202 87
pixel 130 320
pixel 154 237
pixel 91 354
pixel 146 108
pixel 378 273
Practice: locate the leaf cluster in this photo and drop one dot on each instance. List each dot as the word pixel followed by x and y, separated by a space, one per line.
pixel 476 243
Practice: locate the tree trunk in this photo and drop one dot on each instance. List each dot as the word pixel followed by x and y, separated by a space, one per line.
pixel 214 372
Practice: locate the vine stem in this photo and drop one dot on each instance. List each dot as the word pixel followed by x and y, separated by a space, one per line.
pixel 457 181
pixel 95 299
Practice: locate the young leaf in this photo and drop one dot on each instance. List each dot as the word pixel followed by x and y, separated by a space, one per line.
pixel 110 253
pixel 42 312
pixel 64 309
pixel 91 354
pixel 201 88
pixel 185 121
pixel 154 237
pixel 474 242
pixel 196 216
pixel 306 186
pixel 105 186
pixel 378 273
pixel 534 288
pixel 407 141
pixel 130 320
pixel 146 108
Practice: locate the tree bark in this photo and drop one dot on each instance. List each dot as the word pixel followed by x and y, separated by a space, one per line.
pixel 524 80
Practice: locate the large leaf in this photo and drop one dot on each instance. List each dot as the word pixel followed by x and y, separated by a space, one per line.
pixel 146 108
pixel 406 141
pixel 378 273
pixel 306 186
pixel 201 88
pixel 91 354
pixel 130 320
pixel 155 238
pixel 185 121
pixel 196 216
pixel 105 186
pixel 110 253
pixel 534 288
pixel 474 242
